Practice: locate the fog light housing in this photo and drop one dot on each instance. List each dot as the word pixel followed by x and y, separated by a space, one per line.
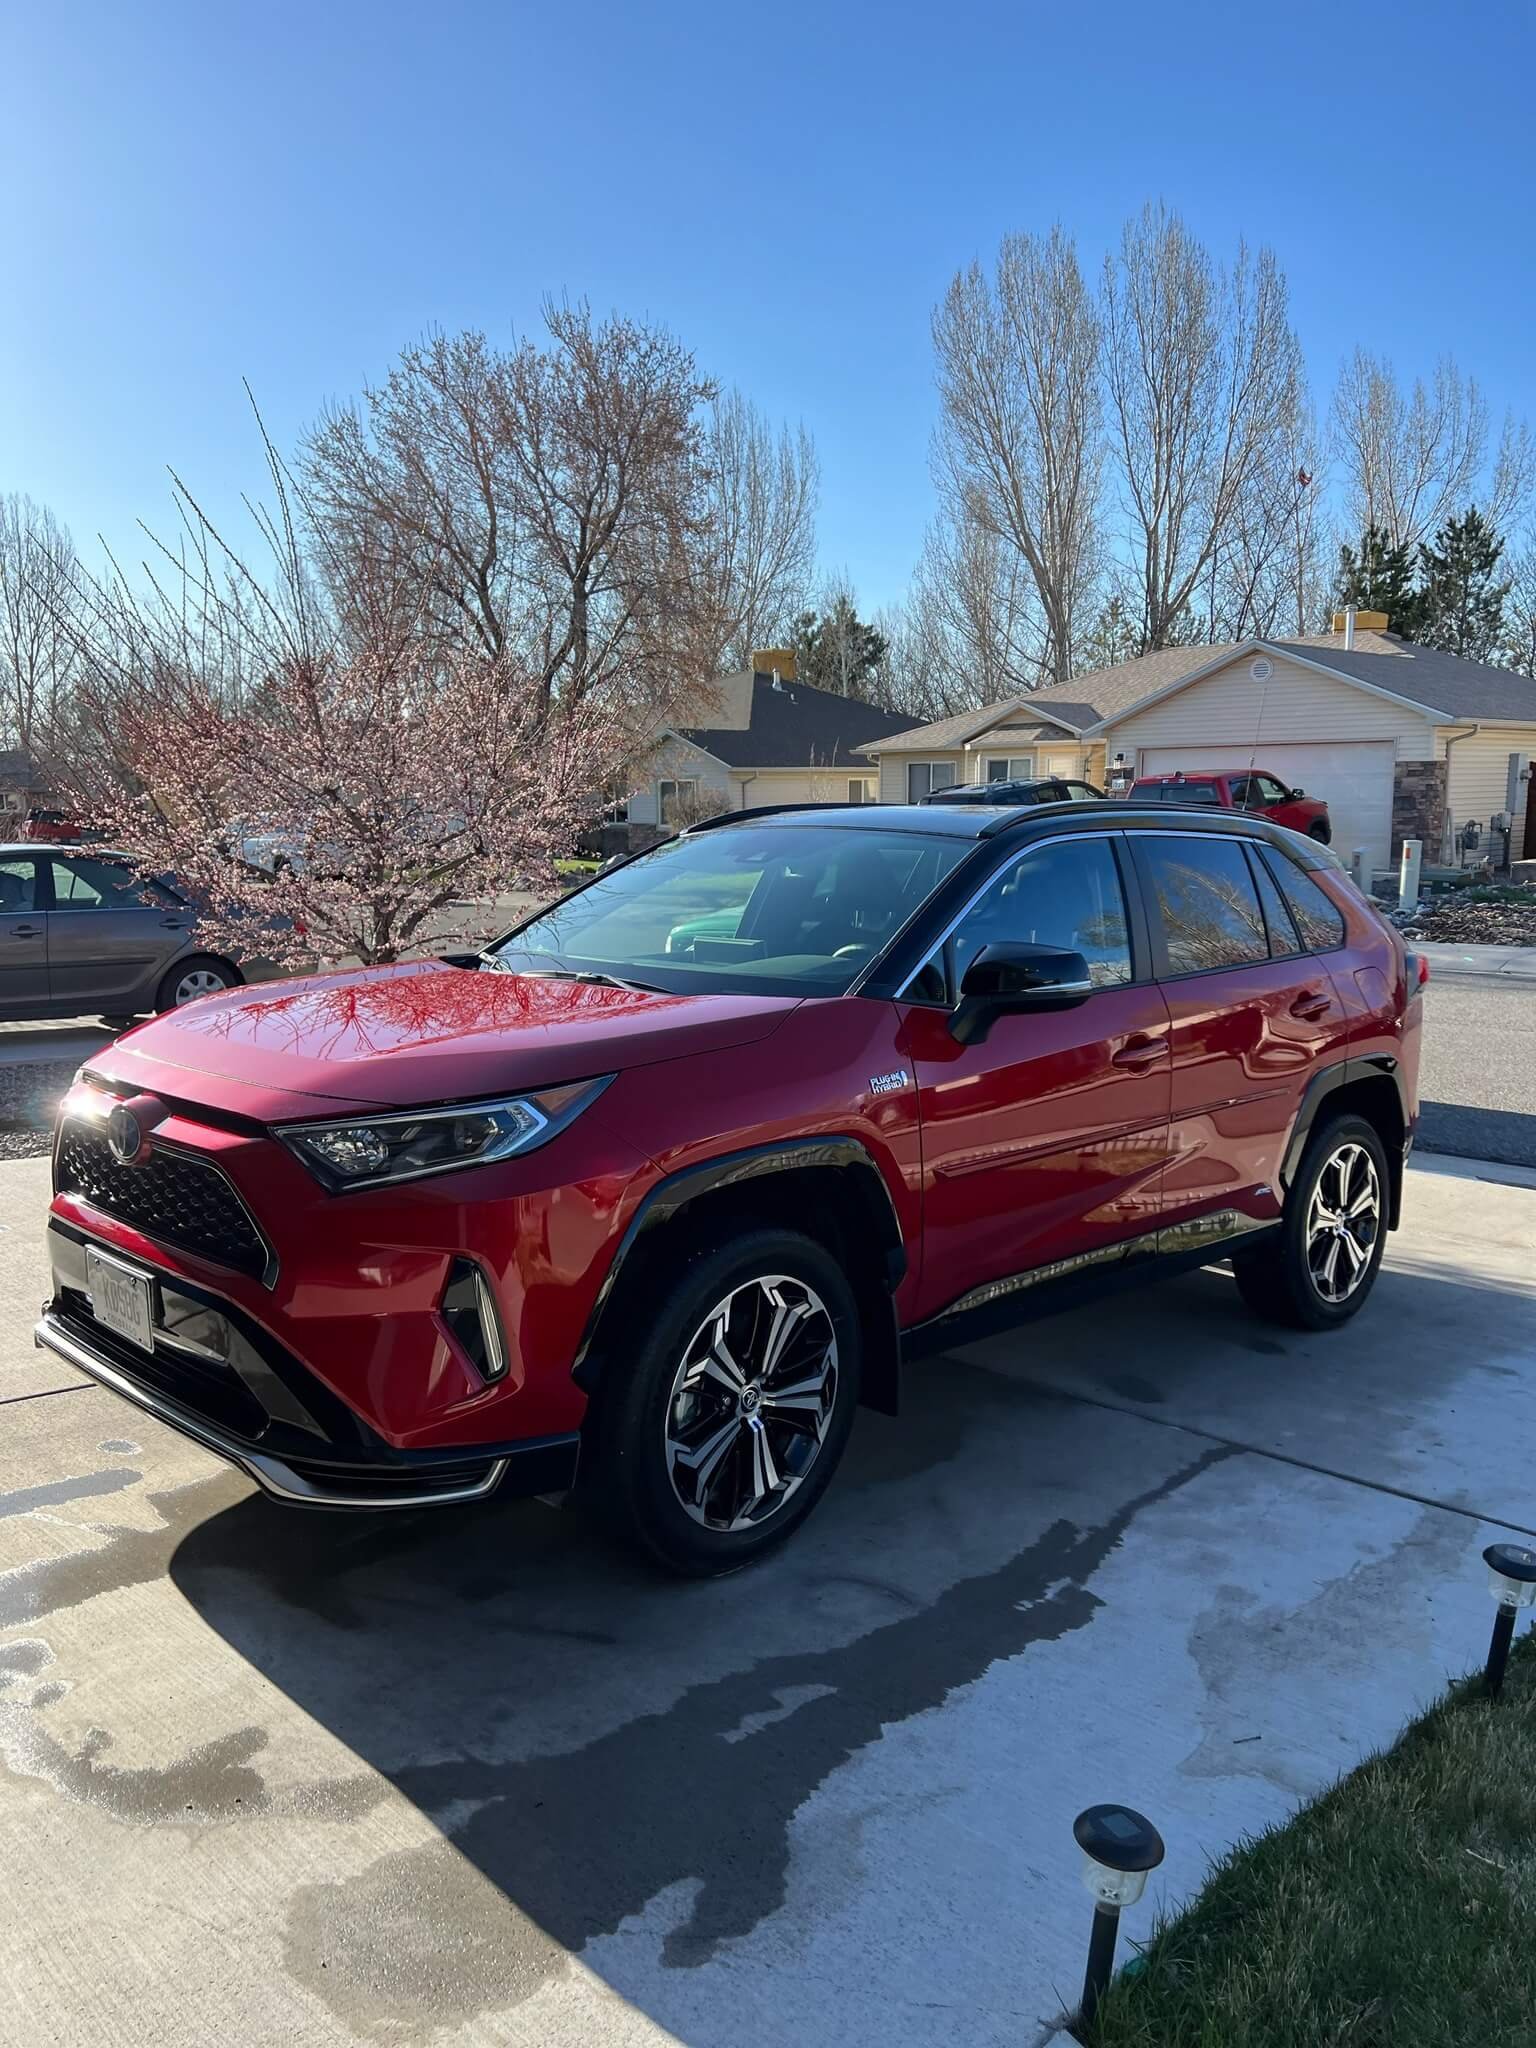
pixel 469 1314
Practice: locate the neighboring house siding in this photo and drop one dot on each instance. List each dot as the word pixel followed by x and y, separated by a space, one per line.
pixel 1296 704
pixel 893 771
pixel 800 785
pixel 1479 770
pixel 677 761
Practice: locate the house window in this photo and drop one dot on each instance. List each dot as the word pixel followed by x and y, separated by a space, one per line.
pixel 1015 768
pixel 858 790
pixel 673 799
pixel 923 777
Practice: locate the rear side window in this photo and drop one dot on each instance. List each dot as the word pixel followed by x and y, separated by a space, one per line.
pixel 1191 793
pixel 18 884
pixel 1205 900
pixel 85 883
pixel 1283 942
pixel 1318 918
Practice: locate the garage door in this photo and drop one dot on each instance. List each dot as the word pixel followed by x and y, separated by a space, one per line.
pixel 1354 779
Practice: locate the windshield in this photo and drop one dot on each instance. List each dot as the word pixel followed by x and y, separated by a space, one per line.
pixel 780 910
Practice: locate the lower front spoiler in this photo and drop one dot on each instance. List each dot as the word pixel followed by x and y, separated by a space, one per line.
pixel 547 1466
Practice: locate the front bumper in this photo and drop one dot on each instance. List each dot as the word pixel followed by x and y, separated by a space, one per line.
pixel 219 1378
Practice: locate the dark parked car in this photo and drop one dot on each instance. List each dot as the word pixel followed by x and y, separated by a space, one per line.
pixel 648 1199
pixel 82 930
pixel 1049 789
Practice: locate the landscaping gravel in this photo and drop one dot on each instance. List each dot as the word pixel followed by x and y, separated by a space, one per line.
pixel 1511 921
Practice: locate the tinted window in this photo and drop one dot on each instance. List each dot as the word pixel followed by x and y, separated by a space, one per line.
pixel 771 910
pixel 1206 902
pixel 1318 918
pixel 85 883
pixel 1147 792
pixel 18 884
pixel 1191 793
pixel 1063 893
pixel 1282 932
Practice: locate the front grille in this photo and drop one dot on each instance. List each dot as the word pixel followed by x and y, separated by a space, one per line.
pixel 172 1197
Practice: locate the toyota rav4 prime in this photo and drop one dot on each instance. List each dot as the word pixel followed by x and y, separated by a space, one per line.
pixel 644 1200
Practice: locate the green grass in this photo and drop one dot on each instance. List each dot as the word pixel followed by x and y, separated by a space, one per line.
pixel 574 869
pixel 1398 1911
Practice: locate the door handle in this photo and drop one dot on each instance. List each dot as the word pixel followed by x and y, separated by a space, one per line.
pixel 1139 1052
pixel 1311 1004
pixel 26 931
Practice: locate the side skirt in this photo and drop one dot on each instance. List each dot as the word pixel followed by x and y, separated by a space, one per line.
pixel 1066 1283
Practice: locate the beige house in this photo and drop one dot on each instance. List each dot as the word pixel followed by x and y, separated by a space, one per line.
pixel 762 738
pixel 1401 742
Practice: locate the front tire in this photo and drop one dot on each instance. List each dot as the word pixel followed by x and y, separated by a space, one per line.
pixel 1320 1268
pixel 728 1426
pixel 203 974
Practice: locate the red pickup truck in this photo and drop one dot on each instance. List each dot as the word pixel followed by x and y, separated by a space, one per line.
pixel 1240 789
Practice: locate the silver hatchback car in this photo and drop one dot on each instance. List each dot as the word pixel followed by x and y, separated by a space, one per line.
pixel 81 932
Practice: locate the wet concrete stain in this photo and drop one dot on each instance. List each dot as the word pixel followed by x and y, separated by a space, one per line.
pixel 1247 1654
pixel 213 1782
pixel 118 1447
pixel 128 1557
pixel 57 1491
pixel 699 1798
pixel 1130 1386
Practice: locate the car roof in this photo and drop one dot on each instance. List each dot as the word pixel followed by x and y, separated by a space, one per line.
pixel 1026 821
pixel 62 846
pixel 1206 774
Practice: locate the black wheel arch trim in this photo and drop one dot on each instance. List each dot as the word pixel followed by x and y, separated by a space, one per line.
pixel 734 1169
pixel 1326 1083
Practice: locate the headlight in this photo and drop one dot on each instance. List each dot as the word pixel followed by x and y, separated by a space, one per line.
pixel 370 1152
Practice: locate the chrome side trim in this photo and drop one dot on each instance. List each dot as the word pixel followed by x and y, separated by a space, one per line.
pixel 270 1474
pixel 1196 1232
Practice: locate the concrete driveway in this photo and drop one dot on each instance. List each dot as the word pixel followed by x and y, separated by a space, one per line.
pixel 476 1779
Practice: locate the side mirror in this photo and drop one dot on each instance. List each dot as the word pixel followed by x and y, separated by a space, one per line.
pixel 1006 980
pixel 1298 792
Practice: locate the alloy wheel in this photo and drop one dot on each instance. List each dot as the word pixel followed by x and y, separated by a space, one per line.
pixel 751 1403
pixel 198 981
pixel 1343 1222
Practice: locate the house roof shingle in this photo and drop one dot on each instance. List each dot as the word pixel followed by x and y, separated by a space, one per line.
pixel 790 725
pixel 1442 683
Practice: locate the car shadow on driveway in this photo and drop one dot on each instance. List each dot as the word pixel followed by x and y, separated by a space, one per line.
pixel 620 1754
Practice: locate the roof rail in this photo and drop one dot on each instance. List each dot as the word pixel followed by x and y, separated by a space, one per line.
pixel 764 811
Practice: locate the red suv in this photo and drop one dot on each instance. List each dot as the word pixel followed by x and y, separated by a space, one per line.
pixel 645 1199
pixel 1253 790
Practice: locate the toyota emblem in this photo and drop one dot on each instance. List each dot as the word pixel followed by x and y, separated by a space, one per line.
pixel 125 1135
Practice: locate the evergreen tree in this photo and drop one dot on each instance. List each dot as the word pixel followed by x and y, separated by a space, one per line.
pixel 835 649
pixel 1112 638
pixel 1379 578
pixel 1461 596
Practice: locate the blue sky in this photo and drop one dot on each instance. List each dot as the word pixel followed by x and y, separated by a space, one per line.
pixel 197 193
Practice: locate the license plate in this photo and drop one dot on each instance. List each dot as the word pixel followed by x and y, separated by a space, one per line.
pixel 120 1298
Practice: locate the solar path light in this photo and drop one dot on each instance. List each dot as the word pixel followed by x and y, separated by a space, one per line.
pixel 1119 1847
pixel 1512 1582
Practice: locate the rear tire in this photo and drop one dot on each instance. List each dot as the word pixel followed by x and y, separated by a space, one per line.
pixel 201 974
pixel 1319 1269
pixel 696 1460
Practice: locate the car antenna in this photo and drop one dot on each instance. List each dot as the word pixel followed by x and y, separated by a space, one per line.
pixel 1258 723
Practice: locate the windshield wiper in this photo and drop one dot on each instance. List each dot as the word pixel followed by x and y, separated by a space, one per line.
pixel 594 977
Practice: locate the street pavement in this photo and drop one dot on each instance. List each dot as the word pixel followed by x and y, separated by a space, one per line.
pixel 479 1779
pixel 1477 1083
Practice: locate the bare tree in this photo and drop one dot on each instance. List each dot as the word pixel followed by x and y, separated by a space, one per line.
pixel 38 601
pixel 548 502
pixel 1269 570
pixel 1519 650
pixel 1203 372
pixel 1412 459
pixel 760 537
pixel 1019 447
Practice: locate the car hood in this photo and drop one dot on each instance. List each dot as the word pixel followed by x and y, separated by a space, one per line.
pixel 399 1037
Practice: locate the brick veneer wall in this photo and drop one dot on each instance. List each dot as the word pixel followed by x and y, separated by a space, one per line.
pixel 1418 805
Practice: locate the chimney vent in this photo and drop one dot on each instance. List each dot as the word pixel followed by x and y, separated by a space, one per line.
pixel 1353 621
